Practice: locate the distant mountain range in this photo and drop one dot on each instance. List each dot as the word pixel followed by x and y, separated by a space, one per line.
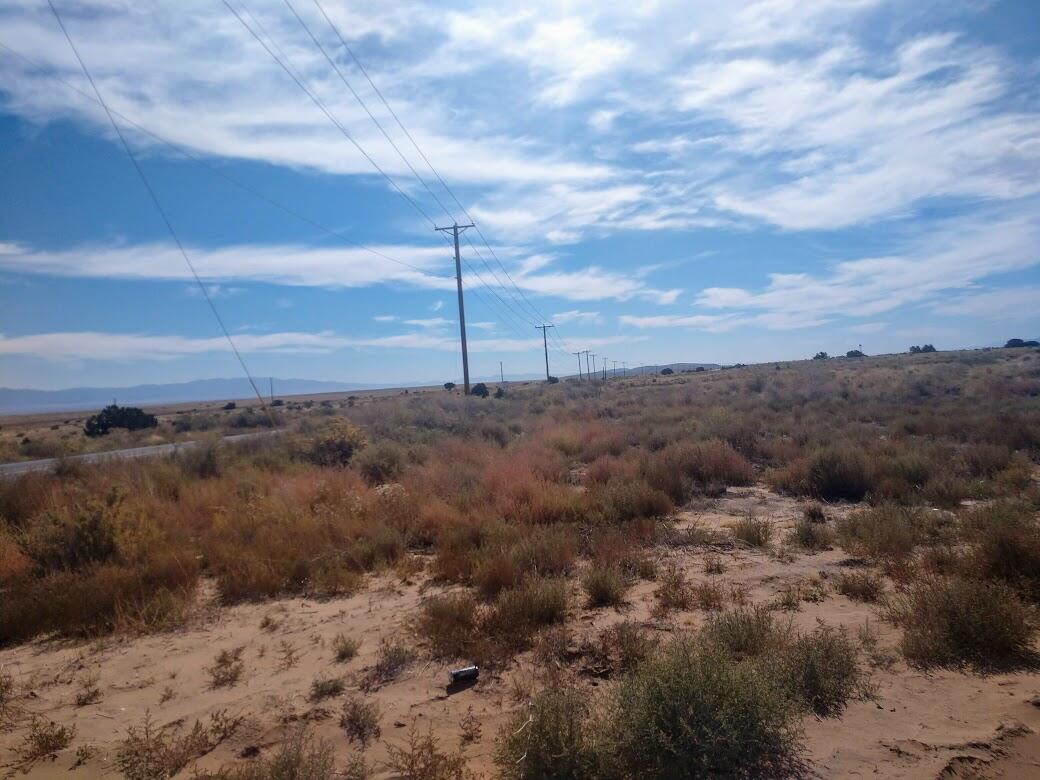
pixel 28 401
pixel 16 401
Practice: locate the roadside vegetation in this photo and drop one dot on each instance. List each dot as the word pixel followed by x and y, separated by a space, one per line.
pixel 521 509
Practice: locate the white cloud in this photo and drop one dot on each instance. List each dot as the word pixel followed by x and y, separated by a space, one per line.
pixel 122 347
pixel 577 315
pixel 1008 303
pixel 954 257
pixel 869 327
pixel 385 318
pixel 431 322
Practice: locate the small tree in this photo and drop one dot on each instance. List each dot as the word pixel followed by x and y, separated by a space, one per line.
pixel 499 392
pixel 928 348
pixel 820 356
pixel 1015 343
pixel 915 350
pixel 229 406
pixel 129 417
pixel 552 380
pixel 667 372
pixel 481 390
pixel 449 386
pixel 855 353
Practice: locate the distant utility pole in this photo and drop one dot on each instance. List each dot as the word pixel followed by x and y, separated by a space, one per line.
pixel 587 372
pixel 501 372
pixel 455 229
pixel 271 387
pixel 624 368
pixel 593 374
pixel 578 355
pixel 615 367
pixel 545 343
pixel 605 361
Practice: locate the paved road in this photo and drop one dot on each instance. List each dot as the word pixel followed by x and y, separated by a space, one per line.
pixel 46 464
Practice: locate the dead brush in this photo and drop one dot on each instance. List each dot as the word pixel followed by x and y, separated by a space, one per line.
pixel 325 688
pixel 360 720
pixel 44 739
pixel 605 586
pixel 88 691
pixel 866 586
pixel 753 531
pixel 421 758
pixel 673 590
pixel 345 648
pixel 227 668
pixel 394 657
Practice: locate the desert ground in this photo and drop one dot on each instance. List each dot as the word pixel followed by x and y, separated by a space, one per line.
pixel 818 569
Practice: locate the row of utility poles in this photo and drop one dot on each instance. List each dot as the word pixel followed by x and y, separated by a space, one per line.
pixel 456 230
pixel 590 367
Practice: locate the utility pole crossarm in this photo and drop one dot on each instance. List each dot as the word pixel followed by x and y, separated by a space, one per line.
pixel 455 230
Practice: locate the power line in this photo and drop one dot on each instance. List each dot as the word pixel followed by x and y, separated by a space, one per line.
pixel 158 206
pixel 282 62
pixel 182 150
pixel 346 82
pixel 539 316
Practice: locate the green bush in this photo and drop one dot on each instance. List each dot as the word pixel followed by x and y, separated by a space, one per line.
pixel 693 710
pixel 113 416
pixel 605 586
pixel 336 445
pixel 551 740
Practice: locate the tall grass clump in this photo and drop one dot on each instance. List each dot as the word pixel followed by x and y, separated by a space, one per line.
pixel 552 738
pixel 885 532
pixel 681 470
pixel 1005 539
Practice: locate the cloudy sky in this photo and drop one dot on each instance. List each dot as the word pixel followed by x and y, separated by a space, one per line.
pixel 663 180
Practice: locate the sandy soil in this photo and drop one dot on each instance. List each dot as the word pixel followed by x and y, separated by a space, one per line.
pixel 917 724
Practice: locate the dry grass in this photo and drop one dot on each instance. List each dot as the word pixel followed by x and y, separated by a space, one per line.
pixel 360 720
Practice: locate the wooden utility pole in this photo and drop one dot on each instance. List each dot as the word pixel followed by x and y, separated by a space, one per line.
pixel 593 374
pixel 545 344
pixel 578 355
pixel 501 372
pixel 587 372
pixel 455 229
pixel 605 361
pixel 624 368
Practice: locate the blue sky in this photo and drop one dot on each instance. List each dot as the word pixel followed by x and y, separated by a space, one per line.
pixel 662 180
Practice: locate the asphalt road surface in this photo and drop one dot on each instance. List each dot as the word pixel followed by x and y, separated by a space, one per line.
pixel 46 464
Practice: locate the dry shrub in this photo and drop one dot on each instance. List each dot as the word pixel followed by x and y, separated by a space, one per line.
pixel 621 648
pixel 422 759
pixel 302 756
pixel 547 552
pixel 323 687
pixel 838 474
pixel 44 738
pixel 680 470
pixel 345 648
pixel 747 632
pixel 694 711
pixel 948 621
pixel 1005 541
pixel 550 739
pixel 537 602
pixel 620 548
pixel 381 462
pixel 822 670
pixel 812 535
pixel 621 501
pixel 673 589
pixel 150 752
pixel 605 586
pixel 336 444
pixel 885 532
pixel 360 720
pixel 449 623
pixel 394 657
pixel 753 531
pixel 227 668
pixel 861 586
pixel 709 596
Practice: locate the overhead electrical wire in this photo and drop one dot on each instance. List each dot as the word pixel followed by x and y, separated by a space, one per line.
pixel 541 317
pixel 299 81
pixel 523 316
pixel 158 206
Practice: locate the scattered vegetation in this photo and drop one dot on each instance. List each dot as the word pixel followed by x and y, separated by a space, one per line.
pixel 360 720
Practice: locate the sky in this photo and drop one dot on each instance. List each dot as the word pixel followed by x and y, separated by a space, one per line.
pixel 661 180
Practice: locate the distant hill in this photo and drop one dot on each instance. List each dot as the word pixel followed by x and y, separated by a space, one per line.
pixel 655 369
pixel 19 401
